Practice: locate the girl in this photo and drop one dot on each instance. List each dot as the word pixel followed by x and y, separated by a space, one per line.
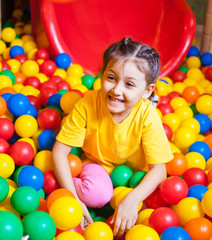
pixel 116 125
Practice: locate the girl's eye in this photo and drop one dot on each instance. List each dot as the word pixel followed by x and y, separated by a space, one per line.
pixel 129 84
pixel 110 77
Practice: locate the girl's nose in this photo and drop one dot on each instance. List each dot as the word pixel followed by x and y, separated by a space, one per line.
pixel 118 88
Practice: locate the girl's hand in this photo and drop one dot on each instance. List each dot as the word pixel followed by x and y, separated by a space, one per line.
pixel 125 215
pixel 86 220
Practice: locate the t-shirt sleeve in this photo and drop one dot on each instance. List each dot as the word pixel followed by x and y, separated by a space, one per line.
pixel 154 141
pixel 73 130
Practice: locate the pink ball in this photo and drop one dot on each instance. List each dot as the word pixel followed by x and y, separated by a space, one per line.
pixel 173 189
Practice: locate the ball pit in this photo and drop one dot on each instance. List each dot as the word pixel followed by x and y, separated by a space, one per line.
pixel 36 94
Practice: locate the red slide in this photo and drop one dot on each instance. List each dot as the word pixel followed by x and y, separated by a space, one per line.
pixel 84 28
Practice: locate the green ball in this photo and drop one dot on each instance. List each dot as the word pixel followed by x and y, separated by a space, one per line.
pixel 91 212
pixel 9 74
pixel 88 80
pixel 194 110
pixel 183 69
pixel 41 193
pixel 4 188
pixel 17 171
pixel 99 219
pixel 25 200
pixel 39 225
pixel 121 175
pixel 106 211
pixel 8 24
pixel 77 151
pixel 10 226
pixel 136 178
pixel 62 91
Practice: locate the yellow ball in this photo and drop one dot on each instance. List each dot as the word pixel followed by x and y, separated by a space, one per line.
pixel 191 123
pixel 184 112
pixel 121 195
pixel 75 70
pixel 6 53
pixel 29 45
pixel 208 89
pixel 189 208
pixel 195 160
pixel 143 216
pixel 17 42
pixel 28 29
pixel 97 84
pixel 169 80
pixel 73 80
pixel 30 68
pixel 190 82
pixel 2 46
pixel 184 137
pixel 8 34
pixel 68 101
pixel 82 88
pixel 178 102
pixel 209 163
pixel 179 87
pixel 17 13
pixel 204 104
pixel 5 81
pixel 206 203
pixel 174 148
pixel 18 87
pixel 172 120
pixel 163 88
pixel 31 53
pixel 27 38
pixel 15 65
pixel 61 73
pixel 68 235
pixel 193 62
pixel 195 73
pixel 98 231
pixel 7 165
pixel 42 77
pixel 115 192
pixel 66 212
pixel 30 90
pixel 43 160
pixel 30 126
pixel 142 232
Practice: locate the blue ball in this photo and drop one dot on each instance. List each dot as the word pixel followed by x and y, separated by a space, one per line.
pixel 202 148
pixel 193 52
pixel 175 233
pixel 204 122
pixel 206 59
pixel 197 191
pixel 32 111
pixel 63 60
pixel 6 96
pixel 54 100
pixel 18 104
pixel 16 50
pixel 31 176
pixel 46 139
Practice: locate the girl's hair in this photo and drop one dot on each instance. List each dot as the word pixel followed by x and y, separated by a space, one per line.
pixel 146 58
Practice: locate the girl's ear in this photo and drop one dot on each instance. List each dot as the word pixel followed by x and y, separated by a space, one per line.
pixel 150 88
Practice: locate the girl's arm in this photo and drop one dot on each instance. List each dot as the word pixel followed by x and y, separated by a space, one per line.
pixel 62 171
pixel 126 213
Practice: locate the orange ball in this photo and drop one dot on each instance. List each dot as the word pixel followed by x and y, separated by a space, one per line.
pixel 178 165
pixel 19 77
pixel 7 90
pixel 75 164
pixel 208 140
pixel 43 205
pixel 60 192
pixel 209 175
pixel 199 228
pixel 3 106
pixel 191 94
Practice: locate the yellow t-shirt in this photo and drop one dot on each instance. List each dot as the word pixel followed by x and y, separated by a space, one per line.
pixel 137 141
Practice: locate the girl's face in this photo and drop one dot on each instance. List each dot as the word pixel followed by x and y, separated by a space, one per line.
pixel 123 84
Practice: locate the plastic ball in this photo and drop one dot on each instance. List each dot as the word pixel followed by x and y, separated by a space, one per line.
pixel 4 188
pixel 69 235
pixel 142 232
pixel 25 200
pixel 178 76
pixel 191 123
pixel 88 80
pixel 16 50
pixel 30 176
pixel 204 121
pixel 184 112
pixel 172 120
pixel 10 226
pixel 175 233
pixel 75 164
pixel 168 131
pixel 191 94
pixel 121 195
pixel 22 153
pixel 50 182
pixel 208 73
pixel 143 216
pixel 193 51
pixel 195 73
pixel 206 202
pixel 9 74
pixel 63 60
pixel 75 70
pixel 204 104
pixel 97 84
pixel 66 212
pixel 202 148
pixel 32 81
pixel 193 62
pixel 195 160
pixel 197 191
pixel 5 81
pixel 30 126
pixel 165 108
pixel 115 193
pixel 209 175
pixel 136 178
pixel 6 128
pixel 173 189
pixel 39 225
pixel 30 68
pixel 54 100
pixel 120 176
pixel 48 67
pixel 49 119
pixel 4 146
pixel 42 54
pixel 206 59
pixel 163 218
pixel 7 165
pixel 68 101
pixel 35 101
pixel 178 165
pixel 45 94
pixel 184 137
pixel 194 176
pixel 43 160
pixel 98 231
pixel 3 106
pixel 46 139
pixel 8 34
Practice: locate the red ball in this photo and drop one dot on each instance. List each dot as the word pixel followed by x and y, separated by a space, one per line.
pixel 178 76
pixel 78 229
pixel 173 94
pixel 4 146
pixel 193 176
pixel 163 218
pixel 168 131
pixel 35 101
pixel 63 85
pixel 7 128
pixel 5 65
pixel 50 182
pixel 45 94
pixel 50 84
pixel 49 118
pixel 173 189
pixel 32 81
pixel 208 74
pixel 21 58
pixel 48 68
pixel 163 100
pixel 42 54
pixel 165 108
pixel 56 79
pixel 22 153
pixel 155 200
